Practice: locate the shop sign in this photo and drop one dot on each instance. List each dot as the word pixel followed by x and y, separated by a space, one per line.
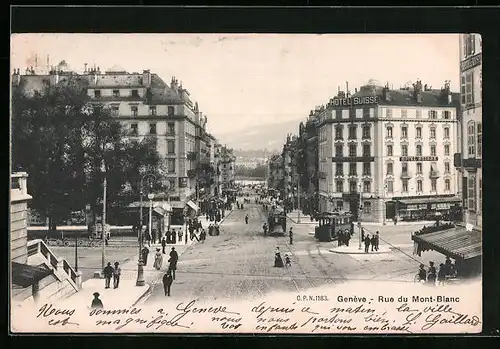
pixel 418 158
pixel 470 63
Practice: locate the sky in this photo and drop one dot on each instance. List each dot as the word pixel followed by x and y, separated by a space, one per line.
pixel 246 80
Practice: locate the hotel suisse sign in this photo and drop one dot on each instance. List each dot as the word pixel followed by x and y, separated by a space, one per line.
pixel 337 102
pixel 471 62
pixel 418 158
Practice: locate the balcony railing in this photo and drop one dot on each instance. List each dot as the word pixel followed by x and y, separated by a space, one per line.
pixel 434 174
pixel 406 175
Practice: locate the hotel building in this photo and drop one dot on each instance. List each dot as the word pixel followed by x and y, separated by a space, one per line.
pixel 391 149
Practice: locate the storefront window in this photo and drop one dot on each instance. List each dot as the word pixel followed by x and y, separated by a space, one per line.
pixel 471 138
pixel 471 194
pixel 367 207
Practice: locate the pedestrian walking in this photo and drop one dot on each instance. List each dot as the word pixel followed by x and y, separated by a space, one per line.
pixel 108 274
pixel 431 274
pixel 174 258
pixel 203 236
pixel 290 235
pixel 278 262
pixel 246 219
pixel 441 276
pixel 179 235
pixel 117 271
pixel 367 243
pixel 163 243
pixel 377 241
pixel 167 282
pixel 96 302
pixel 372 242
pixel 288 262
pixel 145 254
pixel 347 237
pixel 422 273
pixel 158 260
pixel 264 227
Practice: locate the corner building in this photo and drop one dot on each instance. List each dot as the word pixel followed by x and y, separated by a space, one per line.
pixel 391 149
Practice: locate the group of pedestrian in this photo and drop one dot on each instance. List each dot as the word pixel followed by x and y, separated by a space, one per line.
pixel 239 205
pixel 169 276
pixel 429 276
pixel 278 261
pixel 372 241
pixel 213 230
pixel 112 273
pixel 343 237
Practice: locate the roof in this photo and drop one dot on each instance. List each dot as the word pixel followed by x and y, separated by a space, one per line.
pixel 429 200
pixel 161 93
pixel 430 98
pixel 26 275
pixel 458 242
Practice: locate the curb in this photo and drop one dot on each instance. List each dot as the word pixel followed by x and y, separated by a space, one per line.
pixel 359 252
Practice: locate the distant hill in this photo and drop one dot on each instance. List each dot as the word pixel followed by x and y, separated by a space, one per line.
pixel 256 139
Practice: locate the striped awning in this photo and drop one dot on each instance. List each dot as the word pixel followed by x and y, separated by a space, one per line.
pixel 457 243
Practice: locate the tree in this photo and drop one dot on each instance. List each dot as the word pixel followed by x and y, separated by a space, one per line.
pixel 67 145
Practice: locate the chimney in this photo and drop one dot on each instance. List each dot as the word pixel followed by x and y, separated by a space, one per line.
pixel 385 90
pixel 355 90
pixel 85 69
pixel 146 78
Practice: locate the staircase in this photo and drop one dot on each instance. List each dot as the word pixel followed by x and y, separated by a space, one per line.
pixel 62 283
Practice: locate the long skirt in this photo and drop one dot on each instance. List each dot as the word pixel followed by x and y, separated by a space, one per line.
pixel 158 262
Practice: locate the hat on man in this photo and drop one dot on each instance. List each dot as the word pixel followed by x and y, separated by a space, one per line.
pixel 96 294
pixel 116 263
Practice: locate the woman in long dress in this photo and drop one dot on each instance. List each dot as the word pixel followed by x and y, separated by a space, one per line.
pixel 278 262
pixel 158 259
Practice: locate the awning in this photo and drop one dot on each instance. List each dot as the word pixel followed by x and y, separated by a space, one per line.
pixel 457 243
pixel 192 205
pixel 26 275
pixel 416 201
pixel 160 211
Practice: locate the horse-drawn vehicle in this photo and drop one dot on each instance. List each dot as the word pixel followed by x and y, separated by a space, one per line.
pixel 276 221
pixel 331 223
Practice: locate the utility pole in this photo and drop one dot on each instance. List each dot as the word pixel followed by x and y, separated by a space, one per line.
pixel 298 198
pixel 103 254
pixel 360 208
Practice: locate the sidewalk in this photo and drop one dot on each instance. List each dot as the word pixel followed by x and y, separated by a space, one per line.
pixel 304 218
pixel 353 247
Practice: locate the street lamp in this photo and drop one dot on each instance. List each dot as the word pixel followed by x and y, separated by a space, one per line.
pixel 140 266
pixel 151 196
pixel 359 215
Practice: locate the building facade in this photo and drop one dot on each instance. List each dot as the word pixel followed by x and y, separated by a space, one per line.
pixel 469 155
pixel 391 149
pixel 227 168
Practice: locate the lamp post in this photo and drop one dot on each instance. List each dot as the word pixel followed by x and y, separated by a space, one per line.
pixel 140 265
pixel 359 216
pixel 103 234
pixel 151 196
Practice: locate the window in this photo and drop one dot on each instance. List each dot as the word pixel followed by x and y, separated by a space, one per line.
pixel 446 114
pixel 152 110
pixel 389 131
pixel 352 132
pixel 433 133
pixel 366 150
pixel 352 150
pixel 390 186
pixel 446 150
pixel 171 147
pixel 471 138
pixel 367 207
pixel 172 182
pixel 352 169
pixel 367 186
pixel 97 93
pixel 338 133
pixel 446 167
pixel 340 205
pixel 471 193
pixel 388 113
pixel 419 150
pixel 480 193
pixel 404 167
pixel 339 169
pixel 404 113
pixel 389 150
pixel 135 93
pixel 152 128
pixel 404 132
pixel 447 184
pixel 338 114
pixel 171 111
pixel 366 132
pixel 418 113
pixel 419 132
pixel 366 112
pixel 366 168
pixel 467 88
pixel 134 129
pixel 404 150
pixel 170 129
pixel 390 168
pixel 115 110
pixel 352 113
pixel 432 114
pixel 469 45
pixel 419 186
pixel 405 186
pixel 446 132
pixel 352 186
pixel 339 186
pixel 171 165
pixel 433 150
pixel 116 93
pixel 433 184
pixel 338 151
pixel 134 110
pixel 419 168
pixel 479 139
pixel 463 92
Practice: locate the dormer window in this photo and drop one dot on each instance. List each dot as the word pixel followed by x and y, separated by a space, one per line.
pixel 152 110
pixel 135 93
pixel 171 111
pixel 134 110
pixel 97 93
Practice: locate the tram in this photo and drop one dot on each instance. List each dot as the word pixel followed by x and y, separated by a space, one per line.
pixel 276 221
pixel 331 223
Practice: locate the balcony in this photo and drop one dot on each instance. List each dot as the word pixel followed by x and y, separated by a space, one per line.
pixel 406 175
pixel 434 174
pixel 339 174
pixel 471 163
